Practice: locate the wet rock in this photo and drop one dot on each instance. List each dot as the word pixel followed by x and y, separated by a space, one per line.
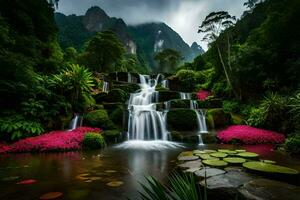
pixel 187 158
pixel 191 164
pixel 191 170
pixel 209 172
pixel 265 189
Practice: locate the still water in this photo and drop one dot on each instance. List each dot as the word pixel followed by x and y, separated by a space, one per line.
pixel 85 175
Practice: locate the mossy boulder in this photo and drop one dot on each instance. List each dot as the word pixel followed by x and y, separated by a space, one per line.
pixel 179 103
pixel 93 141
pixel 117 115
pixel 128 88
pixel 117 95
pixel 182 120
pixel 215 163
pixel 209 138
pixel 220 118
pixel 168 95
pixel 98 118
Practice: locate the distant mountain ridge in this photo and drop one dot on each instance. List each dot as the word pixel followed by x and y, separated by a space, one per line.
pixel 144 40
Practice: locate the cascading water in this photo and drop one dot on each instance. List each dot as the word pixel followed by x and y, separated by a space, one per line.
pixel 145 122
pixel 76 122
pixel 105 87
pixel 165 84
pixel 185 95
pixel 202 128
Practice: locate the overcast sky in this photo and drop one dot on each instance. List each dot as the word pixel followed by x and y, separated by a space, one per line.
pixel 184 16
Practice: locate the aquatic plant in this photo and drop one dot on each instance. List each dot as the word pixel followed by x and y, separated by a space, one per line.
pixel 250 135
pixel 53 141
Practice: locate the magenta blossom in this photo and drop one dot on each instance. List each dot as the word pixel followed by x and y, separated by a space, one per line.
pixel 53 141
pixel 202 95
pixel 250 135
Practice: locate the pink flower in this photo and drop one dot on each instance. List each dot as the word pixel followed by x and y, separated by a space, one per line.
pixel 53 141
pixel 202 95
pixel 250 135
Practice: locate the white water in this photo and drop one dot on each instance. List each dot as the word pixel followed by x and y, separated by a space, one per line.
pixel 185 95
pixel 76 122
pixel 129 78
pixel 105 87
pixel 148 145
pixel 145 122
pixel 165 84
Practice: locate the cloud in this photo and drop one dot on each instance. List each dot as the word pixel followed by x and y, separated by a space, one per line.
pixel 184 16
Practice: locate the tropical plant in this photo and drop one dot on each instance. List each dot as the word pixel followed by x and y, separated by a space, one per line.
pixel 182 187
pixel 292 143
pixel 17 127
pixel 74 82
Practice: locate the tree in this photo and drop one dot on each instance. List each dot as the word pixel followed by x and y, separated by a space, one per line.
pixel 213 25
pixel 168 60
pixel 103 51
pixel 251 3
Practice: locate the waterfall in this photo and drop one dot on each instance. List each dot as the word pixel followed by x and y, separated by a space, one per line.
pixel 185 95
pixel 129 78
pixel 165 84
pixel 105 87
pixel 75 122
pixel 145 122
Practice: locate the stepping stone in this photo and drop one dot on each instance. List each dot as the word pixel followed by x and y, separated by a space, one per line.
pixel 229 180
pixel 209 172
pixel 191 164
pixel 191 170
pixel 187 158
pixel 265 189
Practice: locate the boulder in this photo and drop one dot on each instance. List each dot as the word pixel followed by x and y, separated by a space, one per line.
pixel 182 120
pixel 191 164
pixel 98 118
pixel 265 189
pixel 220 118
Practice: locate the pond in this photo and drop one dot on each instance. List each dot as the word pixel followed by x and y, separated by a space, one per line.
pixel 92 175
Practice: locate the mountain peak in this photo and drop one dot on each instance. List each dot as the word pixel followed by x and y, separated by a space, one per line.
pixel 196 48
pixel 94 19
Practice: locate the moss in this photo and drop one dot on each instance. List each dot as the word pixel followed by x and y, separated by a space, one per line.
pixel 128 88
pixel 234 160
pixel 248 155
pixel 98 118
pixel 219 155
pixel 178 103
pixel 215 163
pixel 117 95
pixel 220 118
pixel 117 116
pixel 237 119
pixel 168 95
pixel 100 97
pixel 182 120
pixel 93 141
pixel 209 138
pixel 111 134
pixel 269 168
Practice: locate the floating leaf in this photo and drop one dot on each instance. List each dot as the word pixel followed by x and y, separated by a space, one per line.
pixel 51 195
pixel 215 163
pixel 234 160
pixel 115 183
pixel 27 182
pixel 269 168
pixel 219 155
pixel 110 171
pixel 248 155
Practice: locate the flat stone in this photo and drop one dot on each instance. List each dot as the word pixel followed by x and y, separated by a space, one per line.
pixel 191 164
pixel 191 170
pixel 265 189
pixel 209 172
pixel 187 158
pixel 231 180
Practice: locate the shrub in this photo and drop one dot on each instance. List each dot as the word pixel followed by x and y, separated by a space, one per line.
pixel 117 95
pixel 17 127
pixel 111 134
pixel 98 118
pixel 231 106
pixel 93 140
pixel 249 135
pixel 187 79
pixel 53 141
pixel 257 117
pixel 292 144
pixel 117 116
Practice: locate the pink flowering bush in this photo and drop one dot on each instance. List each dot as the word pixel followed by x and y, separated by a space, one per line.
pixel 250 135
pixel 202 95
pixel 53 141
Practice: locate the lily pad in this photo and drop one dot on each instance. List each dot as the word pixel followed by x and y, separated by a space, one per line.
pixel 219 155
pixel 191 170
pixel 268 161
pixel 234 160
pixel 186 153
pixel 240 150
pixel 269 168
pixel 215 163
pixel 198 152
pixel 188 158
pixel 27 182
pixel 209 151
pixel 223 150
pixel 248 155
pixel 207 157
pixel 110 171
pixel 115 183
pixel 51 195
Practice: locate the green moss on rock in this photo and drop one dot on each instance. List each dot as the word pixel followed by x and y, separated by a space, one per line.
pixel 220 118
pixel 168 95
pixel 98 118
pixel 93 141
pixel 117 95
pixel 182 120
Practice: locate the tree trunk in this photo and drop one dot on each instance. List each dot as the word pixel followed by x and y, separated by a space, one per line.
pixel 229 53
